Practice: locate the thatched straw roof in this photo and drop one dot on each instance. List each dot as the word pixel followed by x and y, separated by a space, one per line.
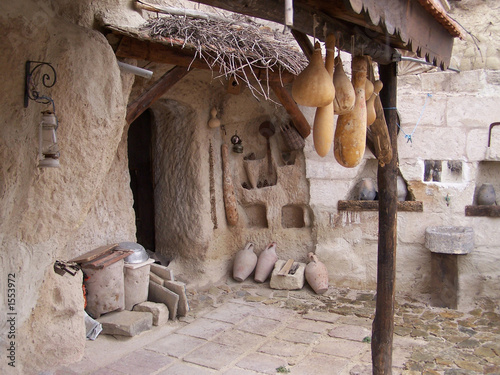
pixel 229 47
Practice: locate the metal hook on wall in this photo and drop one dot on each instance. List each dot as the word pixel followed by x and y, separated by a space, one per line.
pixel 49 79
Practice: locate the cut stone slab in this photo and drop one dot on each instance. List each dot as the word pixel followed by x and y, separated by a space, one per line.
pixel 126 323
pixel 162 271
pixel 213 355
pixel 155 278
pixel 349 332
pixel 160 294
pixel 179 288
pixel 159 310
pixel 287 281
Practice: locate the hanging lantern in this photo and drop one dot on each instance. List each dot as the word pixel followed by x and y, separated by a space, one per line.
pixel 236 141
pixel 48 147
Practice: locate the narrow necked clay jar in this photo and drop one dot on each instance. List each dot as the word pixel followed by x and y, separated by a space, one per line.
pixel 316 274
pixel 244 262
pixel 486 195
pixel 266 262
pixel 367 190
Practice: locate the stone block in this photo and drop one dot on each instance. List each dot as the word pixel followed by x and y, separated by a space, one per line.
pixel 471 112
pixel 428 143
pixel 159 310
pixel 477 143
pixel 162 271
pixel 326 170
pixel 288 281
pixel 126 323
pixel 327 193
pixel 136 280
pixel 160 294
pixel 178 288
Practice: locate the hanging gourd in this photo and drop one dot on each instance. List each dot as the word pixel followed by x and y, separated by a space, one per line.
pixel 214 122
pixel 323 127
pixel 350 134
pixel 371 114
pixel 313 87
pixel 344 92
pixel 368 88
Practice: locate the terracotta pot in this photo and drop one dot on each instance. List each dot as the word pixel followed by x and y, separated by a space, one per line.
pixel 486 195
pixel 316 274
pixel 402 190
pixel 266 262
pixel 244 263
pixel 367 190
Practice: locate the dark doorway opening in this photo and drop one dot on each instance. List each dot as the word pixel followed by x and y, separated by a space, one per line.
pixel 140 162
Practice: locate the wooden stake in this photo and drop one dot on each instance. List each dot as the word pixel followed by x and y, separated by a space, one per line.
pixel 383 324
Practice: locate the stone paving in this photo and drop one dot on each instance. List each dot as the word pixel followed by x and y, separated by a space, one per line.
pixel 248 328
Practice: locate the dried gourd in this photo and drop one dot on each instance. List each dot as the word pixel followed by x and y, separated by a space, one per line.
pixel 368 89
pixel 371 114
pixel 323 127
pixel 344 92
pixel 313 87
pixel 350 134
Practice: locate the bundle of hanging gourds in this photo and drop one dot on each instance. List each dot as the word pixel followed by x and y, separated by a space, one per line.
pixel 327 87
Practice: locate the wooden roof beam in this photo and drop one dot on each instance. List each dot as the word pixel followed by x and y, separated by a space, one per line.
pixel 272 10
pixel 153 93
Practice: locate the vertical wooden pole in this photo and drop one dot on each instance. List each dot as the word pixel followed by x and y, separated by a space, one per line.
pixel 383 324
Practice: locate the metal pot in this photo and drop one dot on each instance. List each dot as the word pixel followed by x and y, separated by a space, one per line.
pixel 139 254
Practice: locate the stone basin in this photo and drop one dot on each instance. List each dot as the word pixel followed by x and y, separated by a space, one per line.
pixel 449 239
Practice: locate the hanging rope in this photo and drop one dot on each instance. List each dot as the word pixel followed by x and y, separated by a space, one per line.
pixel 409 137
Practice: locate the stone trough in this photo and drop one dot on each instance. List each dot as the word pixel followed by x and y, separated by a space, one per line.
pixel 446 243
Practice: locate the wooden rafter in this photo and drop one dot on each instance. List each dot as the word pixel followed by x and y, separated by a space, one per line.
pixel 160 87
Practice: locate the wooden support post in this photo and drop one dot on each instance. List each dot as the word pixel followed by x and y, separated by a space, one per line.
pixel 383 324
pixel 160 87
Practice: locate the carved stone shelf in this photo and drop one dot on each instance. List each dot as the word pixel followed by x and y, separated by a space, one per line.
pixel 490 211
pixel 409 206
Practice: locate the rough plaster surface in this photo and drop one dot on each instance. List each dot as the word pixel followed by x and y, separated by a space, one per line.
pixel 44 213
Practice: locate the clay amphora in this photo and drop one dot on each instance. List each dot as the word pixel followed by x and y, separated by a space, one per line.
pixel 316 274
pixel 244 263
pixel 486 195
pixel 266 262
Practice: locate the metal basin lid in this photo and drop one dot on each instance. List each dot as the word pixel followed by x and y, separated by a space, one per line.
pixel 139 254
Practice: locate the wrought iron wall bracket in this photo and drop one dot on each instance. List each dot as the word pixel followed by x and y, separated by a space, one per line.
pixel 48 79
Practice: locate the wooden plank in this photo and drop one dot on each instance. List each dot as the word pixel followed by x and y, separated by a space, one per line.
pixel 166 54
pixel 160 87
pixel 355 205
pixel 286 268
pixel 96 253
pixel 383 324
pixel 488 211
pixel 107 259
pixel 304 43
pixel 286 100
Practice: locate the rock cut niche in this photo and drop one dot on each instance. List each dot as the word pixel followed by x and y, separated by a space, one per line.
pixel 292 216
pixel 256 216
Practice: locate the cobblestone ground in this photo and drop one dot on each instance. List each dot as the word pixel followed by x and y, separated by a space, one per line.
pixel 452 342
